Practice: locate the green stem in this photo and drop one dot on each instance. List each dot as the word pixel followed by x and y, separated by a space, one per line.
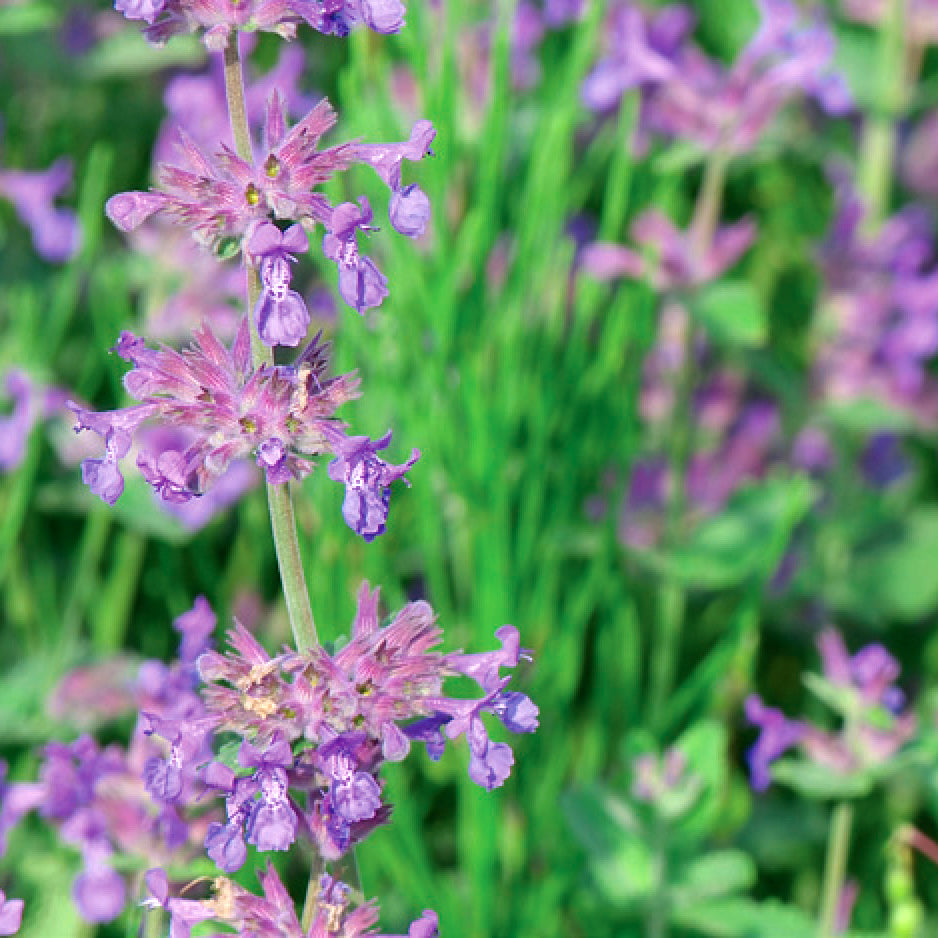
pixel 672 600
pixel 282 520
pixel 878 146
pixel 835 868
pixel 656 921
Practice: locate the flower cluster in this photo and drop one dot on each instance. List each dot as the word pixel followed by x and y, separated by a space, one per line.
pixel 230 197
pixel 273 915
pixel 56 232
pixel 879 328
pixel 227 410
pixel 315 727
pixel 688 95
pixel 220 18
pixel 97 797
pixel 861 688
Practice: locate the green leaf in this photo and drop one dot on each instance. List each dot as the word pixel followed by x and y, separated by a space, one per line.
pixel 897 579
pixel 712 876
pixel 619 860
pixel 747 538
pixel 867 414
pixel 704 745
pixel 816 781
pixel 26 18
pixel 128 53
pixel 744 918
pixel 732 311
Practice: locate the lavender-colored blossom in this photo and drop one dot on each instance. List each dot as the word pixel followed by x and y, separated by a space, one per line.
pixel 15 428
pixel 99 891
pixel 56 233
pixel 777 734
pixel 11 914
pixel 367 479
pixel 146 10
pixel 232 197
pixel 217 18
pixel 280 313
pixel 361 284
pixel 672 258
pixel 874 723
pixel 686 94
pixel 273 914
pixel 229 408
pixel 879 324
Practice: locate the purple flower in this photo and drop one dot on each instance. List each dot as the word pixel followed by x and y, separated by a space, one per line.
pixel 271 821
pixel 56 234
pixel 228 409
pixel 99 892
pixel 777 735
pixel 218 18
pixel 146 10
pixel 339 17
pixel 367 479
pixel 688 95
pixel 11 914
pixel 280 313
pixel 410 207
pixel 361 284
pixel 676 261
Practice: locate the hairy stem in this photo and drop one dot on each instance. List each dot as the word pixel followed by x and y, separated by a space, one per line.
pixel 835 868
pixel 282 520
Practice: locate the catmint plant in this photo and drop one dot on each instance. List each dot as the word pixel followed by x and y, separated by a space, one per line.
pixel 247 748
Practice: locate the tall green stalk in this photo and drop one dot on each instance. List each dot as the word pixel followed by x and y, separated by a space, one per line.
pixel 835 868
pixel 282 519
pixel 672 600
pixel 878 146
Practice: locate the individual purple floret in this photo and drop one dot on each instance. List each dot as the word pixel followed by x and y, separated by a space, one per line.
pixel 777 734
pixel 281 315
pixel 340 17
pixel 31 403
pixel 11 914
pixel 367 479
pixel 56 233
pixel 361 284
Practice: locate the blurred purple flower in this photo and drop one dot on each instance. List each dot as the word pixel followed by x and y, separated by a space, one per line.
pixel 56 233
pixel 687 95
pixel 671 259
pixel 879 328
pixel 870 704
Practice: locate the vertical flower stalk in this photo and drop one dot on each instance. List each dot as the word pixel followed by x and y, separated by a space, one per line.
pixel 282 519
pixel 672 600
pixel 878 147
pixel 835 868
